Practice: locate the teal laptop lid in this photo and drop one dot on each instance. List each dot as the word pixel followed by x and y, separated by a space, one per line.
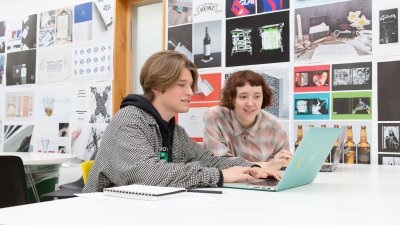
pixel 309 157
pixel 305 163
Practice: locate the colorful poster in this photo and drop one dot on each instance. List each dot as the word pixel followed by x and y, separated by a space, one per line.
pixel 352 105
pixel 312 78
pixel 209 88
pixel 311 106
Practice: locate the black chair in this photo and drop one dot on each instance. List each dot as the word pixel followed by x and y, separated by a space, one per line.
pixel 13 188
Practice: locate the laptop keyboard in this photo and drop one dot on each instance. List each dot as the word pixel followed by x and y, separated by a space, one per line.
pixel 266 182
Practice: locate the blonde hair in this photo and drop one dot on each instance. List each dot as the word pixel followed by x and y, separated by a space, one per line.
pixel 163 69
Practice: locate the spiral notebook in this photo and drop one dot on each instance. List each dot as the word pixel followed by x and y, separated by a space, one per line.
pixel 144 192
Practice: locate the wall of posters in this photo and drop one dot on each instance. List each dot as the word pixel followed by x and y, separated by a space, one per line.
pixel 329 63
pixel 44 58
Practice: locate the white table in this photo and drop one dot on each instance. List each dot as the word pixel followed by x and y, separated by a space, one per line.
pixel 39 159
pixel 354 194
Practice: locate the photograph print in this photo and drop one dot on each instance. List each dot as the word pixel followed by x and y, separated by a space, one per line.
pixel 236 8
pixel 272 5
pixel 352 105
pixel 208 88
pixel 259 39
pixel 389 137
pixel 388 26
pixel 2 61
pixel 311 78
pixel 322 33
pixel 17 138
pixel 352 76
pixel 47 28
pixel 207 44
pixel 311 106
pixel 21 68
pixel 389 159
pixel 179 12
pixel 180 40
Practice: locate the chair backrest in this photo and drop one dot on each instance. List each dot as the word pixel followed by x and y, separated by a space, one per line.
pixel 13 188
pixel 86 167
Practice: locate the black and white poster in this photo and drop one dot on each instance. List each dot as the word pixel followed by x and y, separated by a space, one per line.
pixel 388 26
pixel 259 39
pixel 389 159
pixel 207 44
pixel 180 39
pixel 388 135
pixel 2 37
pixel 352 76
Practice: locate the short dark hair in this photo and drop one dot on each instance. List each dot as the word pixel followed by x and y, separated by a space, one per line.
pixel 239 79
pixel 163 69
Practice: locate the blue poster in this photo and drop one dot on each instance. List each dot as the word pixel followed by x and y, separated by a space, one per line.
pixel 83 12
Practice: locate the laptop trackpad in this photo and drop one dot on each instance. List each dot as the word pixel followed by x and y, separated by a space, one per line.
pixel 266 182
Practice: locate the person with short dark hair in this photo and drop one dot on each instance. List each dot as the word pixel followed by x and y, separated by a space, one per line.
pixel 143 145
pixel 238 127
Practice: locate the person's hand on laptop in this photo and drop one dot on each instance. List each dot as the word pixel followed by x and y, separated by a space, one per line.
pixel 243 174
pixel 280 160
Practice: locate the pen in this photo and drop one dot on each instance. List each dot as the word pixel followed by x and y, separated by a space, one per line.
pixel 204 191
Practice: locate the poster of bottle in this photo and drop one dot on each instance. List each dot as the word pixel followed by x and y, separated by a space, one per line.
pixel 388 26
pixel 259 39
pixel 311 106
pixel 362 141
pixel 205 10
pixel 207 44
pixel 389 137
pixel 312 78
pixel 21 68
pixel 352 105
pixel 179 12
pixel 352 76
pixel 388 91
pixel 17 138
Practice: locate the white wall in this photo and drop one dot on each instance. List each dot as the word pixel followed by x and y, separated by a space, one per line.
pixel 16 8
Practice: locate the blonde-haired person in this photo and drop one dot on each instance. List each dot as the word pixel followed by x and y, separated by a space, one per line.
pixel 143 145
pixel 238 127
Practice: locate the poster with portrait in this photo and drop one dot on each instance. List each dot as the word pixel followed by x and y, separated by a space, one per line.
pixel 352 76
pixel 311 106
pixel 389 136
pixel 352 105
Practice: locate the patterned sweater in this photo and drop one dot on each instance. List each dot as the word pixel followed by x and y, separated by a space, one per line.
pixel 129 154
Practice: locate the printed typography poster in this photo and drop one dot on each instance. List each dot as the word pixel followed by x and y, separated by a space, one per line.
pixel 54 64
pixel 388 26
pixel 205 10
